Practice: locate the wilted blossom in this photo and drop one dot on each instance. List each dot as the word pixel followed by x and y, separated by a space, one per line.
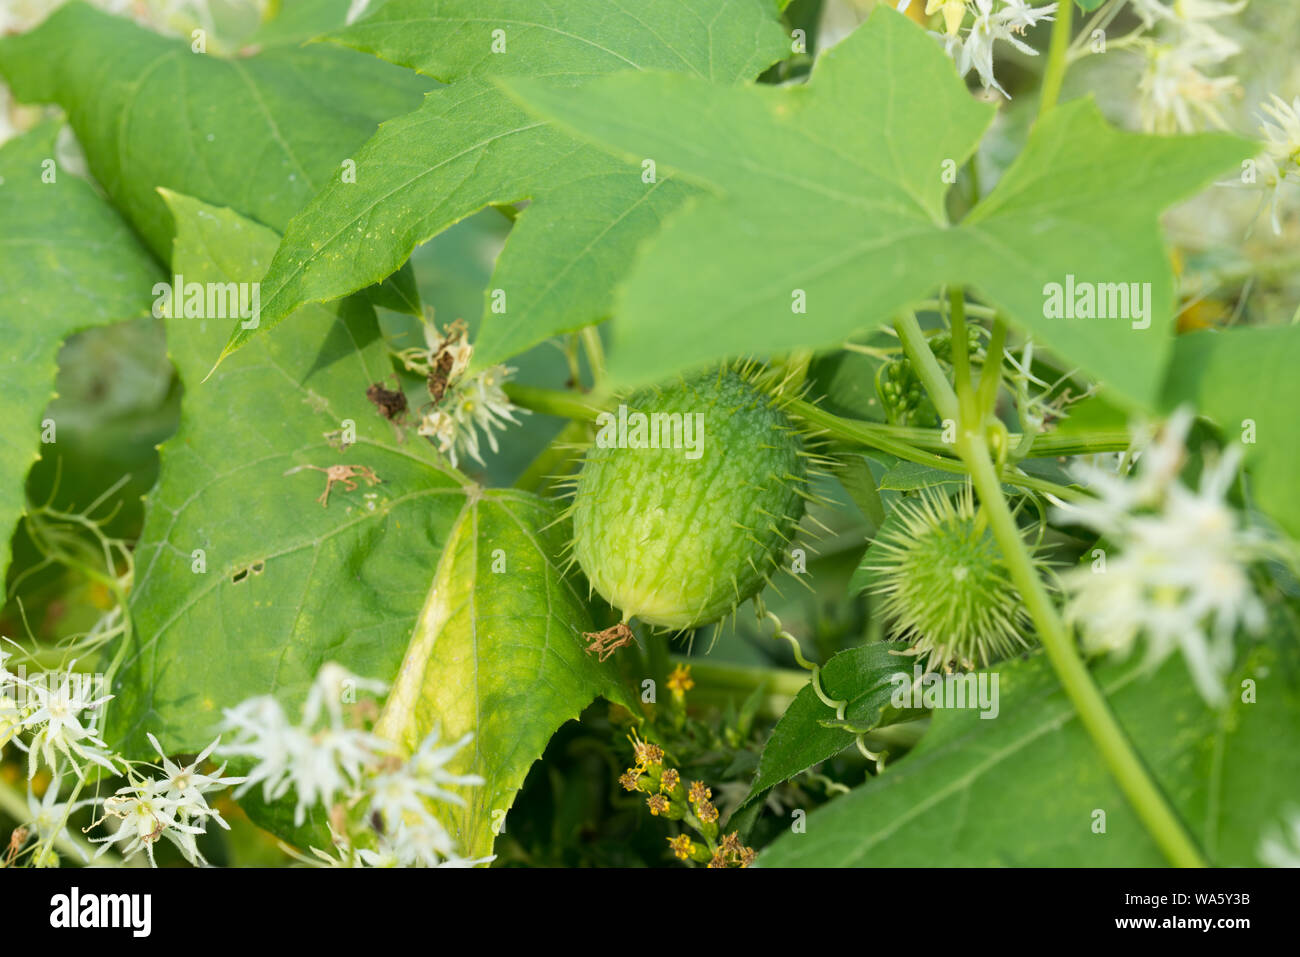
pixel 464 406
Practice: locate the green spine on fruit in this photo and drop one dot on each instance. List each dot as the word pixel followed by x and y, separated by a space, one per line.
pixel 679 541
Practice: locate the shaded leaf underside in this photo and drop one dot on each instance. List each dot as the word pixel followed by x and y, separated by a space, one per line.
pixel 471 145
pixel 830 196
pixel 67 262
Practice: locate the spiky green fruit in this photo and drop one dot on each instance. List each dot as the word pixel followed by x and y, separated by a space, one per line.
pixel 943 584
pixel 679 536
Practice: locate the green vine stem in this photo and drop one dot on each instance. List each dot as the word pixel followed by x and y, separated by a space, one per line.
pixel 718 682
pixel 1044 446
pixel 595 350
pixel 987 395
pixel 838 705
pixel 900 441
pixel 926 365
pixel 14 803
pixel 1057 59
pixel 1101 725
pixel 1107 736
pixel 565 405
pixel 960 343
pixel 852 431
pixel 119 586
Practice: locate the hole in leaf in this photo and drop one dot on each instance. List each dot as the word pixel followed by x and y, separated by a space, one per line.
pixel 241 574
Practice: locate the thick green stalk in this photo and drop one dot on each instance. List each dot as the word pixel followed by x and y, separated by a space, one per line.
pixel 566 405
pixel 865 433
pixel 1057 59
pixel 1094 713
pixel 1107 736
pixel 960 343
pixel 595 350
pixel 896 440
pixel 906 442
pixel 926 365
pixel 991 374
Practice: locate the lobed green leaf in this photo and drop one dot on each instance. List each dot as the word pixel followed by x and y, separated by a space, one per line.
pixel 497 652
pixel 828 209
pixel 260 134
pixel 244 584
pixel 1025 788
pixel 471 146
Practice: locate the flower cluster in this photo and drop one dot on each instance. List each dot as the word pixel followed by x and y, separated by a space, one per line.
pixel 1181 572
pixel 317 760
pixel 1007 21
pixel 396 804
pixel 377 803
pixel 59 713
pixel 667 796
pixel 172 805
pixel 680 682
pixel 462 406
pixel 49 815
pixel 11 714
pixel 1280 161
pixel 1176 93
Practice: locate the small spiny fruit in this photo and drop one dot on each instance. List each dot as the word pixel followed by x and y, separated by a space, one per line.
pixel 679 536
pixel 943 584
